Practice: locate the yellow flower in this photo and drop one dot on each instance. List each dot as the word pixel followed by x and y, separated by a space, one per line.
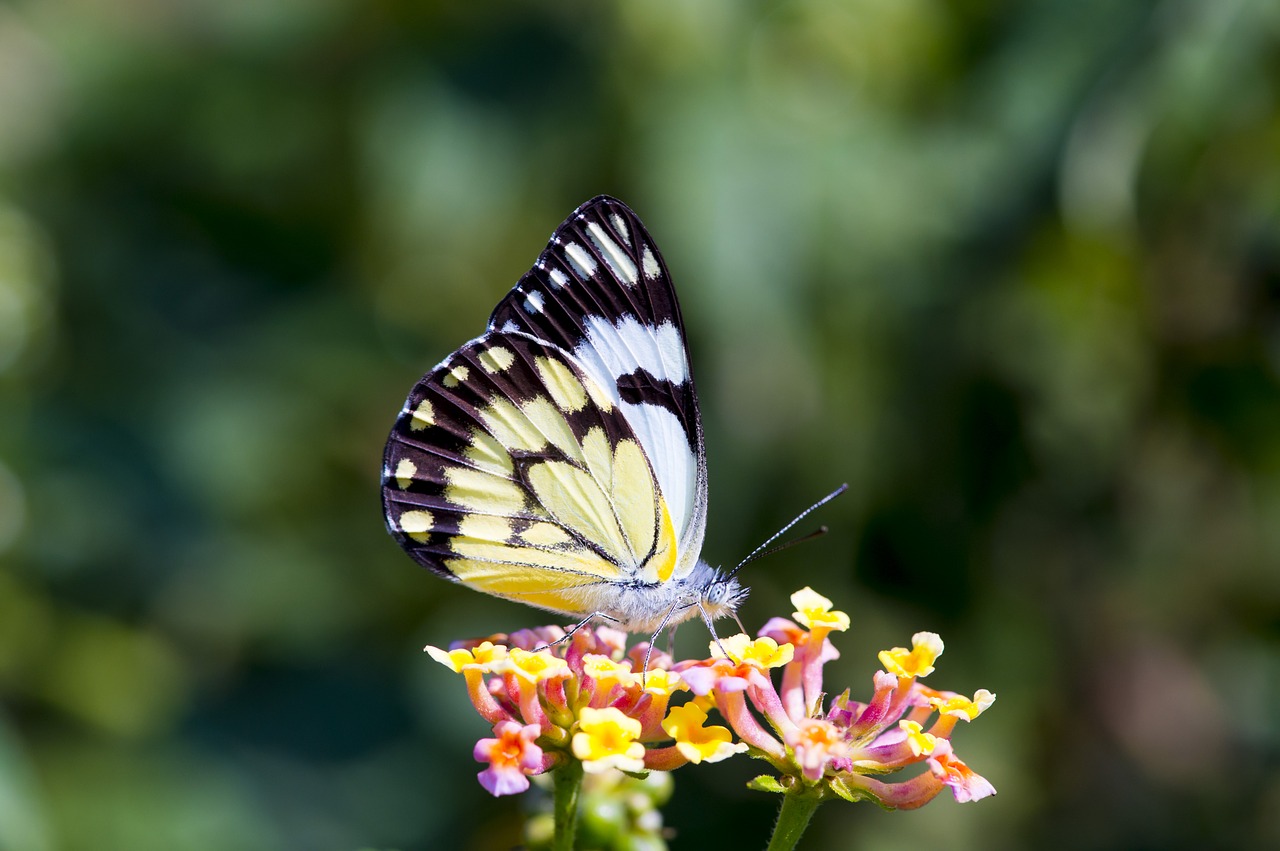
pixel 763 653
pixel 919 741
pixel 535 667
pixel 926 647
pixel 814 611
pixel 659 681
pixel 606 739
pixel 960 706
pixel 695 742
pixel 487 656
pixel 606 672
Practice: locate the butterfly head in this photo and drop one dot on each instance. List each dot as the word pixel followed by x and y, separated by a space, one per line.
pixel 722 595
pixel 710 593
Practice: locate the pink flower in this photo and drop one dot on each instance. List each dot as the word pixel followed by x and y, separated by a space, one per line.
pixel 964 783
pixel 815 742
pixel 553 699
pixel 512 756
pixel 845 747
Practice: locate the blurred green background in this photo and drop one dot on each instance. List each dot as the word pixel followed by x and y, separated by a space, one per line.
pixel 1012 270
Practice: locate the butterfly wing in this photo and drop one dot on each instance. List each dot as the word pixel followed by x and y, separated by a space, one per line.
pixel 601 292
pixel 512 470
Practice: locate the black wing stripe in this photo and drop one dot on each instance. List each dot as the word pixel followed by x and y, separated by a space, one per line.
pixel 579 282
pixel 481 390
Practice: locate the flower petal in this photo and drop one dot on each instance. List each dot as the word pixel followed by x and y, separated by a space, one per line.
pixel 696 742
pixel 511 755
pixel 606 738
pixel 814 611
pixel 926 647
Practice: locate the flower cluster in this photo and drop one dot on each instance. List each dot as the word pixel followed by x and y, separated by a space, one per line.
pixel 840 749
pixel 551 700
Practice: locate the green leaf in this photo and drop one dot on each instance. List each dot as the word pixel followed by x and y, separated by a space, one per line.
pixel 766 783
pixel 841 790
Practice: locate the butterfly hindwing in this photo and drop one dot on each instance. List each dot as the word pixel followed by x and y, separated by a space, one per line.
pixel 512 469
pixel 601 292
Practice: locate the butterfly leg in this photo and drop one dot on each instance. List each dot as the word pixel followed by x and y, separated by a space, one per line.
pixel 671 639
pixel 711 627
pixel 569 633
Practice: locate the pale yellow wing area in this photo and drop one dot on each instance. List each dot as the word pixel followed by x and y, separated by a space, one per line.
pixel 511 471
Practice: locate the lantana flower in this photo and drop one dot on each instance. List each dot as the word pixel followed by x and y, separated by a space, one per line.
pixel 511 755
pixel 843 748
pixel 552 701
pixel 582 705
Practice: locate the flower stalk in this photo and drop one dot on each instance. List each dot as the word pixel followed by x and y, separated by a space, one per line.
pixel 793 819
pixel 567 780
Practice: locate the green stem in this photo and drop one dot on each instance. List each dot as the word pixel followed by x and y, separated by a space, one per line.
pixel 793 818
pixel 568 786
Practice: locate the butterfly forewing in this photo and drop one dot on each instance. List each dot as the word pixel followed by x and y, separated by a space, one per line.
pixel 513 470
pixel 601 292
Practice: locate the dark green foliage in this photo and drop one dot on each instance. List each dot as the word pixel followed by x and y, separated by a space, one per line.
pixel 1010 270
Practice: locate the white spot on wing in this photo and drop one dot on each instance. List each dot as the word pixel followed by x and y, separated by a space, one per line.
pixel 508 327
pixel 622 266
pixel 650 263
pixel 621 227
pixel 533 302
pixel 558 278
pixel 581 259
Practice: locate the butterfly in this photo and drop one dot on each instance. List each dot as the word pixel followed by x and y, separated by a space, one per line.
pixel 557 459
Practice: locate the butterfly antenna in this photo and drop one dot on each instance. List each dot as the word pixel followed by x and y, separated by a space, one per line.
pixel 761 551
pixel 786 545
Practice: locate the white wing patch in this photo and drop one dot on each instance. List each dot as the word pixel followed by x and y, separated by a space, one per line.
pixel 671 351
pixel 621 227
pixel 620 349
pixel 558 278
pixel 622 266
pixel 581 259
pixel 650 263
pixel 611 351
pixel 533 302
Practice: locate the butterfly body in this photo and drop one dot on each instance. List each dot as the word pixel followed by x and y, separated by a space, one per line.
pixel 557 459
